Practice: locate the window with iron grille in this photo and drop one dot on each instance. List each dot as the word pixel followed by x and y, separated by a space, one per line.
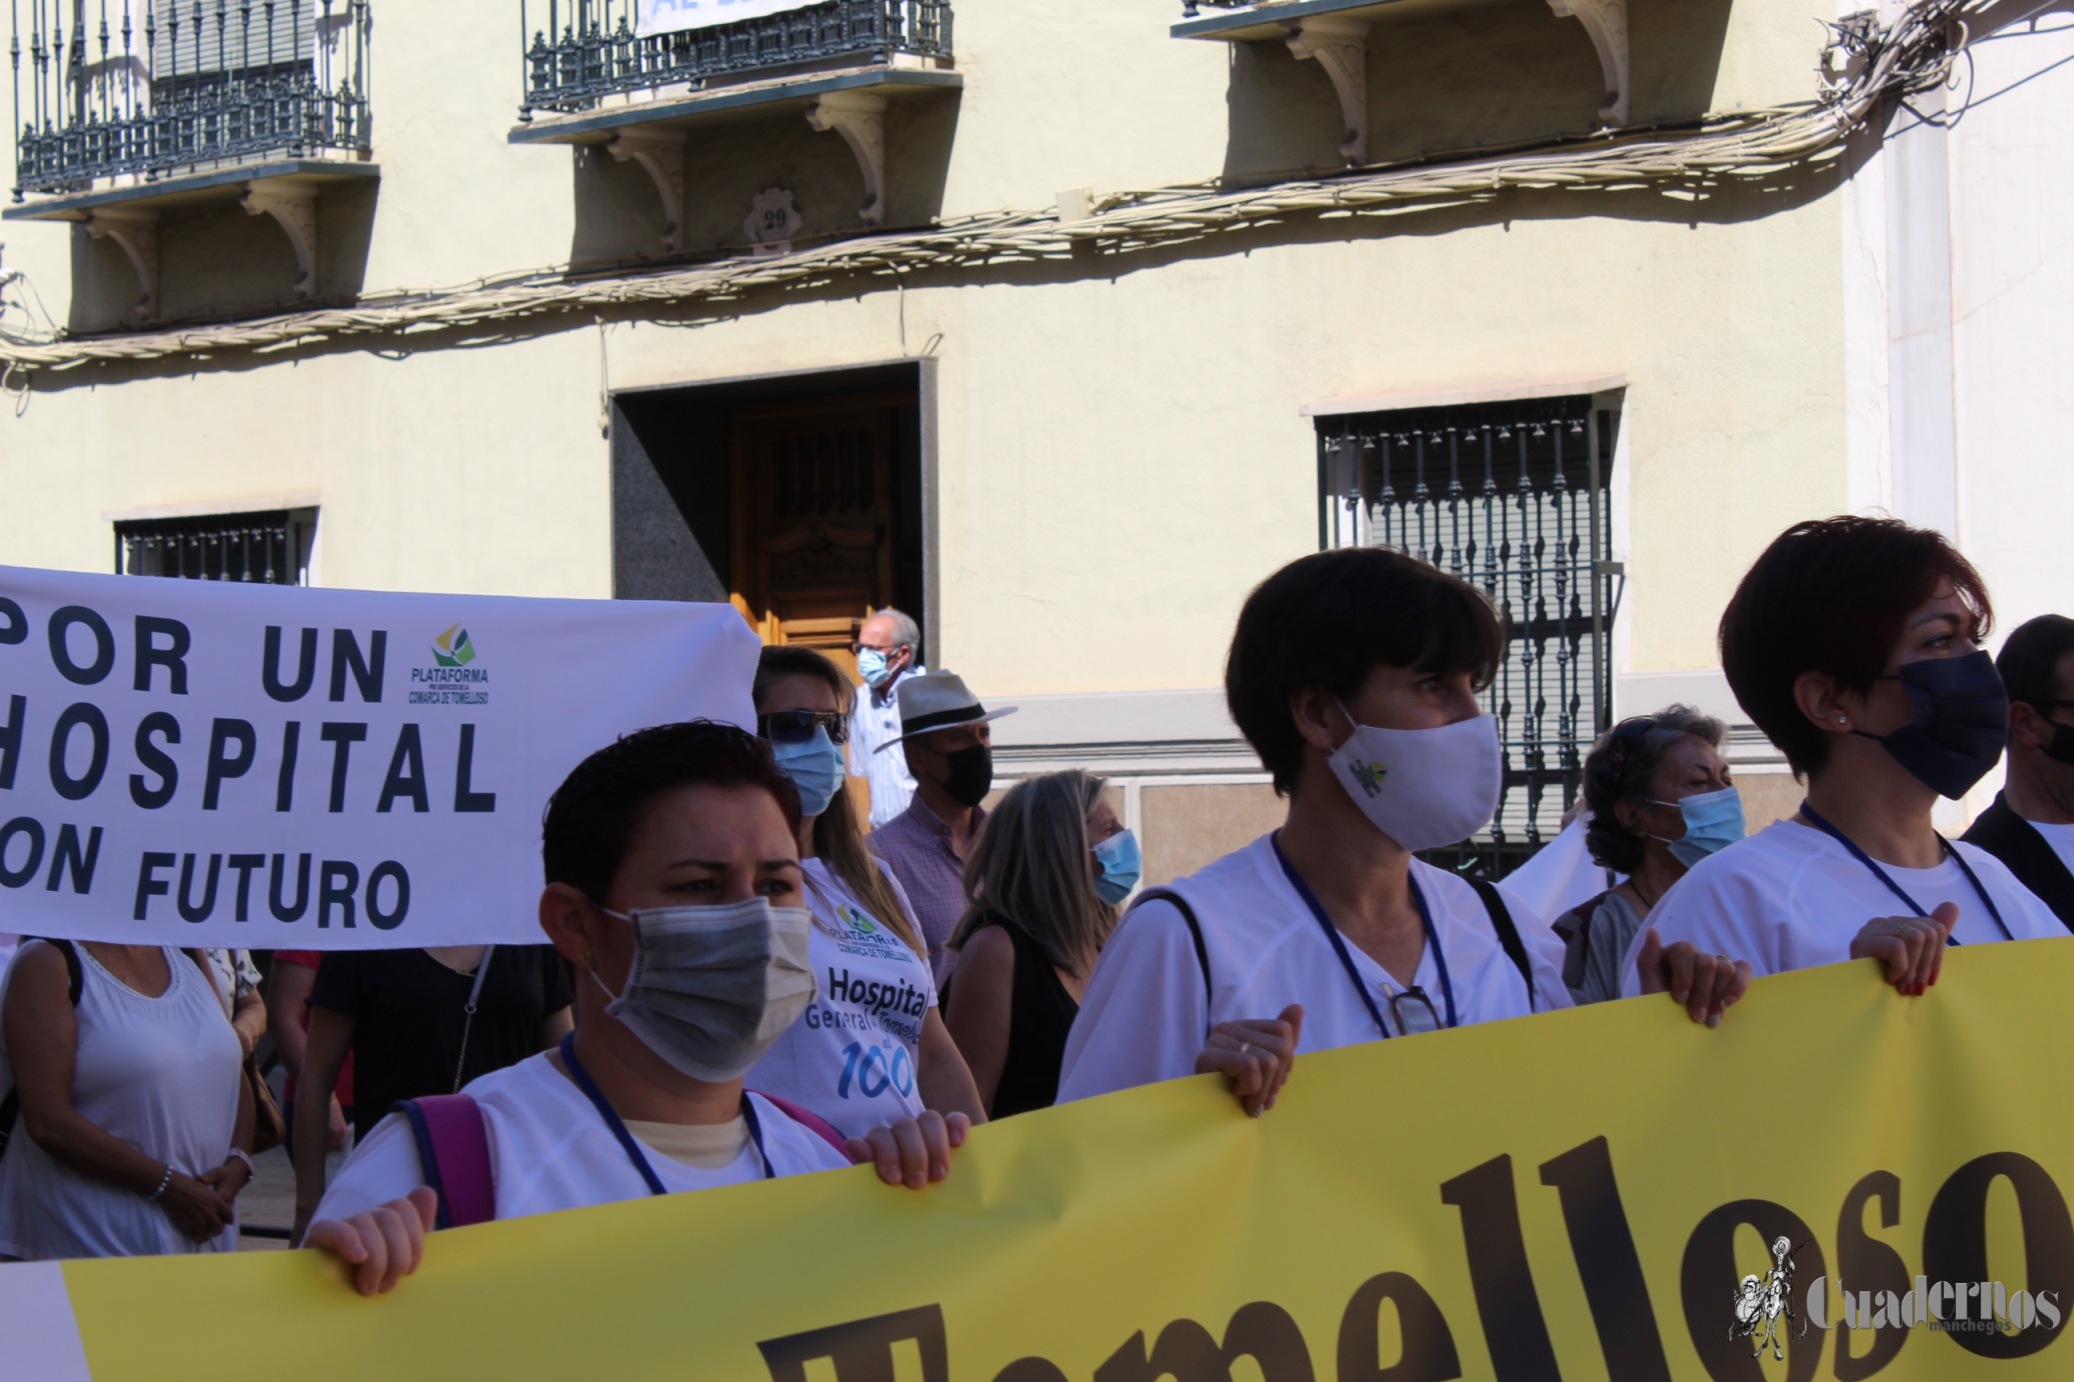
pixel 1513 498
pixel 271 546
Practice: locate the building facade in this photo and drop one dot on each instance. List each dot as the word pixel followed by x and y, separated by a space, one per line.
pixel 1059 326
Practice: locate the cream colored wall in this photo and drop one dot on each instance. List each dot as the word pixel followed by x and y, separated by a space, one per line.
pixel 1120 455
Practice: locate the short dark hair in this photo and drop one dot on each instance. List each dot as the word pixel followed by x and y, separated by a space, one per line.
pixel 1831 595
pixel 2030 660
pixel 592 816
pixel 1329 619
pixel 1622 766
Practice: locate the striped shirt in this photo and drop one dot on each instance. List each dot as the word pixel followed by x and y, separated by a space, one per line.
pixel 916 845
pixel 876 721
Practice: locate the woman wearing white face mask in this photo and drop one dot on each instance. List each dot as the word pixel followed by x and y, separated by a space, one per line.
pixel 674 891
pixel 1660 801
pixel 871 1048
pixel 1354 675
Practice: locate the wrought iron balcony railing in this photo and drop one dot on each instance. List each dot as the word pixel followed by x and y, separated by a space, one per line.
pixel 599 54
pixel 169 84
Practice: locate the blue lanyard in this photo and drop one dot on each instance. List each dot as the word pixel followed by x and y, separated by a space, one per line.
pixel 1346 961
pixel 626 1139
pixel 1914 906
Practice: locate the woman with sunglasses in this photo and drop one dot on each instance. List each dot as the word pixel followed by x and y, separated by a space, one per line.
pixel 1660 801
pixel 871 1049
pixel 1853 643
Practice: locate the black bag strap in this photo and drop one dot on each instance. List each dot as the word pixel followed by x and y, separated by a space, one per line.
pixel 75 983
pixel 1508 934
pixel 1195 929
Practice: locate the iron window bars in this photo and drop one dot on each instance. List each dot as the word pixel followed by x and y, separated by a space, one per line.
pixel 271 546
pixel 589 49
pixel 1513 498
pixel 142 87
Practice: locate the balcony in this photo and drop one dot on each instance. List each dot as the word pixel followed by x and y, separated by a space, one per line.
pixel 603 52
pixel 186 83
pixel 1350 40
pixel 688 105
pixel 132 109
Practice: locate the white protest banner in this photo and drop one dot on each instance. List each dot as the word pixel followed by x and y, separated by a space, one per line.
pixel 217 763
pixel 670 16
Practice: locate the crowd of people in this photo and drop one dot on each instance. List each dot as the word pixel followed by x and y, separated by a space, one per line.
pixel 744 975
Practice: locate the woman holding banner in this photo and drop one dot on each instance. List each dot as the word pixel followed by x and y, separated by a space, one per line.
pixel 1354 675
pixel 1853 643
pixel 674 889
pixel 872 1047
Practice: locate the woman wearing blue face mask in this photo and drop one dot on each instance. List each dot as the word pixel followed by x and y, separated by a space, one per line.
pixel 1042 887
pixel 1854 644
pixel 871 1048
pixel 1660 801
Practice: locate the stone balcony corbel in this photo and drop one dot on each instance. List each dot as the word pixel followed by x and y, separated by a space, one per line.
pixel 293 205
pixel 660 151
pixel 136 230
pixel 1607 23
pixel 860 118
pixel 1340 46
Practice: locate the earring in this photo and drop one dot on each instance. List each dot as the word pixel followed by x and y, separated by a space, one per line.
pixel 1842 720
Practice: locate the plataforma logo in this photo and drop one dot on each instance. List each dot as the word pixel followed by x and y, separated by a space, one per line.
pixel 452 648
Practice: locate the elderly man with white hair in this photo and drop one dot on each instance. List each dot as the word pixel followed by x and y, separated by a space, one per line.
pixel 888 649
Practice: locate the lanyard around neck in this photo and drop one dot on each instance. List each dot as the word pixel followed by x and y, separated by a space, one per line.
pixel 626 1139
pixel 1914 906
pixel 1346 961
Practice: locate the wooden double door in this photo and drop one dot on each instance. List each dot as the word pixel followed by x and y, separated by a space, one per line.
pixel 816 511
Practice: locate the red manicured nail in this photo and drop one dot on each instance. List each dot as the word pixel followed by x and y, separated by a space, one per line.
pixel 1933 978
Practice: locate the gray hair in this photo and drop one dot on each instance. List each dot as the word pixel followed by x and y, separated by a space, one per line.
pixel 905 629
pixel 1621 767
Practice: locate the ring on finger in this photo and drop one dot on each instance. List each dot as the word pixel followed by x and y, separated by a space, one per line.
pixel 1244 1047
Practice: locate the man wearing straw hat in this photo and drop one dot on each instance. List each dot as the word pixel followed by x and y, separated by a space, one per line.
pixel 943 732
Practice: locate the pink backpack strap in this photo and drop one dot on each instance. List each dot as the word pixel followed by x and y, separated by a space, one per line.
pixel 454 1154
pixel 812 1122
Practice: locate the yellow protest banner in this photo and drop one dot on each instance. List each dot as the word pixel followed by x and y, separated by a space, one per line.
pixel 1584 1195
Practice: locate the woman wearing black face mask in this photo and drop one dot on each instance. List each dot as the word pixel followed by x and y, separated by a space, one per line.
pixel 1853 643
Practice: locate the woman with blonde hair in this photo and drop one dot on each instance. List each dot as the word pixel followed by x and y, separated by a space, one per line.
pixel 1042 887
pixel 871 1049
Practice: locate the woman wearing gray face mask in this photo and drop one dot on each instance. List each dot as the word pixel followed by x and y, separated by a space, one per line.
pixel 674 890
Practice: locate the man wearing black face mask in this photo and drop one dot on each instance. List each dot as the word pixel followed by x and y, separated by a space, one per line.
pixel 948 746
pixel 2031 825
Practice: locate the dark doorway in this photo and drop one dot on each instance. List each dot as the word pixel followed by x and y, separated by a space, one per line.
pixel 797 498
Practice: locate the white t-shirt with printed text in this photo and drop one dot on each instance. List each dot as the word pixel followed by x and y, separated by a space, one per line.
pixel 852 1056
pixel 551 1149
pixel 1147 1015
pixel 1792 897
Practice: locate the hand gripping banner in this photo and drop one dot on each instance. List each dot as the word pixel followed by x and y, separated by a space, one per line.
pixel 216 763
pixel 1838 1182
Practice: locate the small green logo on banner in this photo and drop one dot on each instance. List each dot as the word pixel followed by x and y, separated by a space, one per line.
pixel 452 648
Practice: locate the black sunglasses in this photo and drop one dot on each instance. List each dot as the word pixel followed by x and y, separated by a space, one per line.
pixel 798 726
